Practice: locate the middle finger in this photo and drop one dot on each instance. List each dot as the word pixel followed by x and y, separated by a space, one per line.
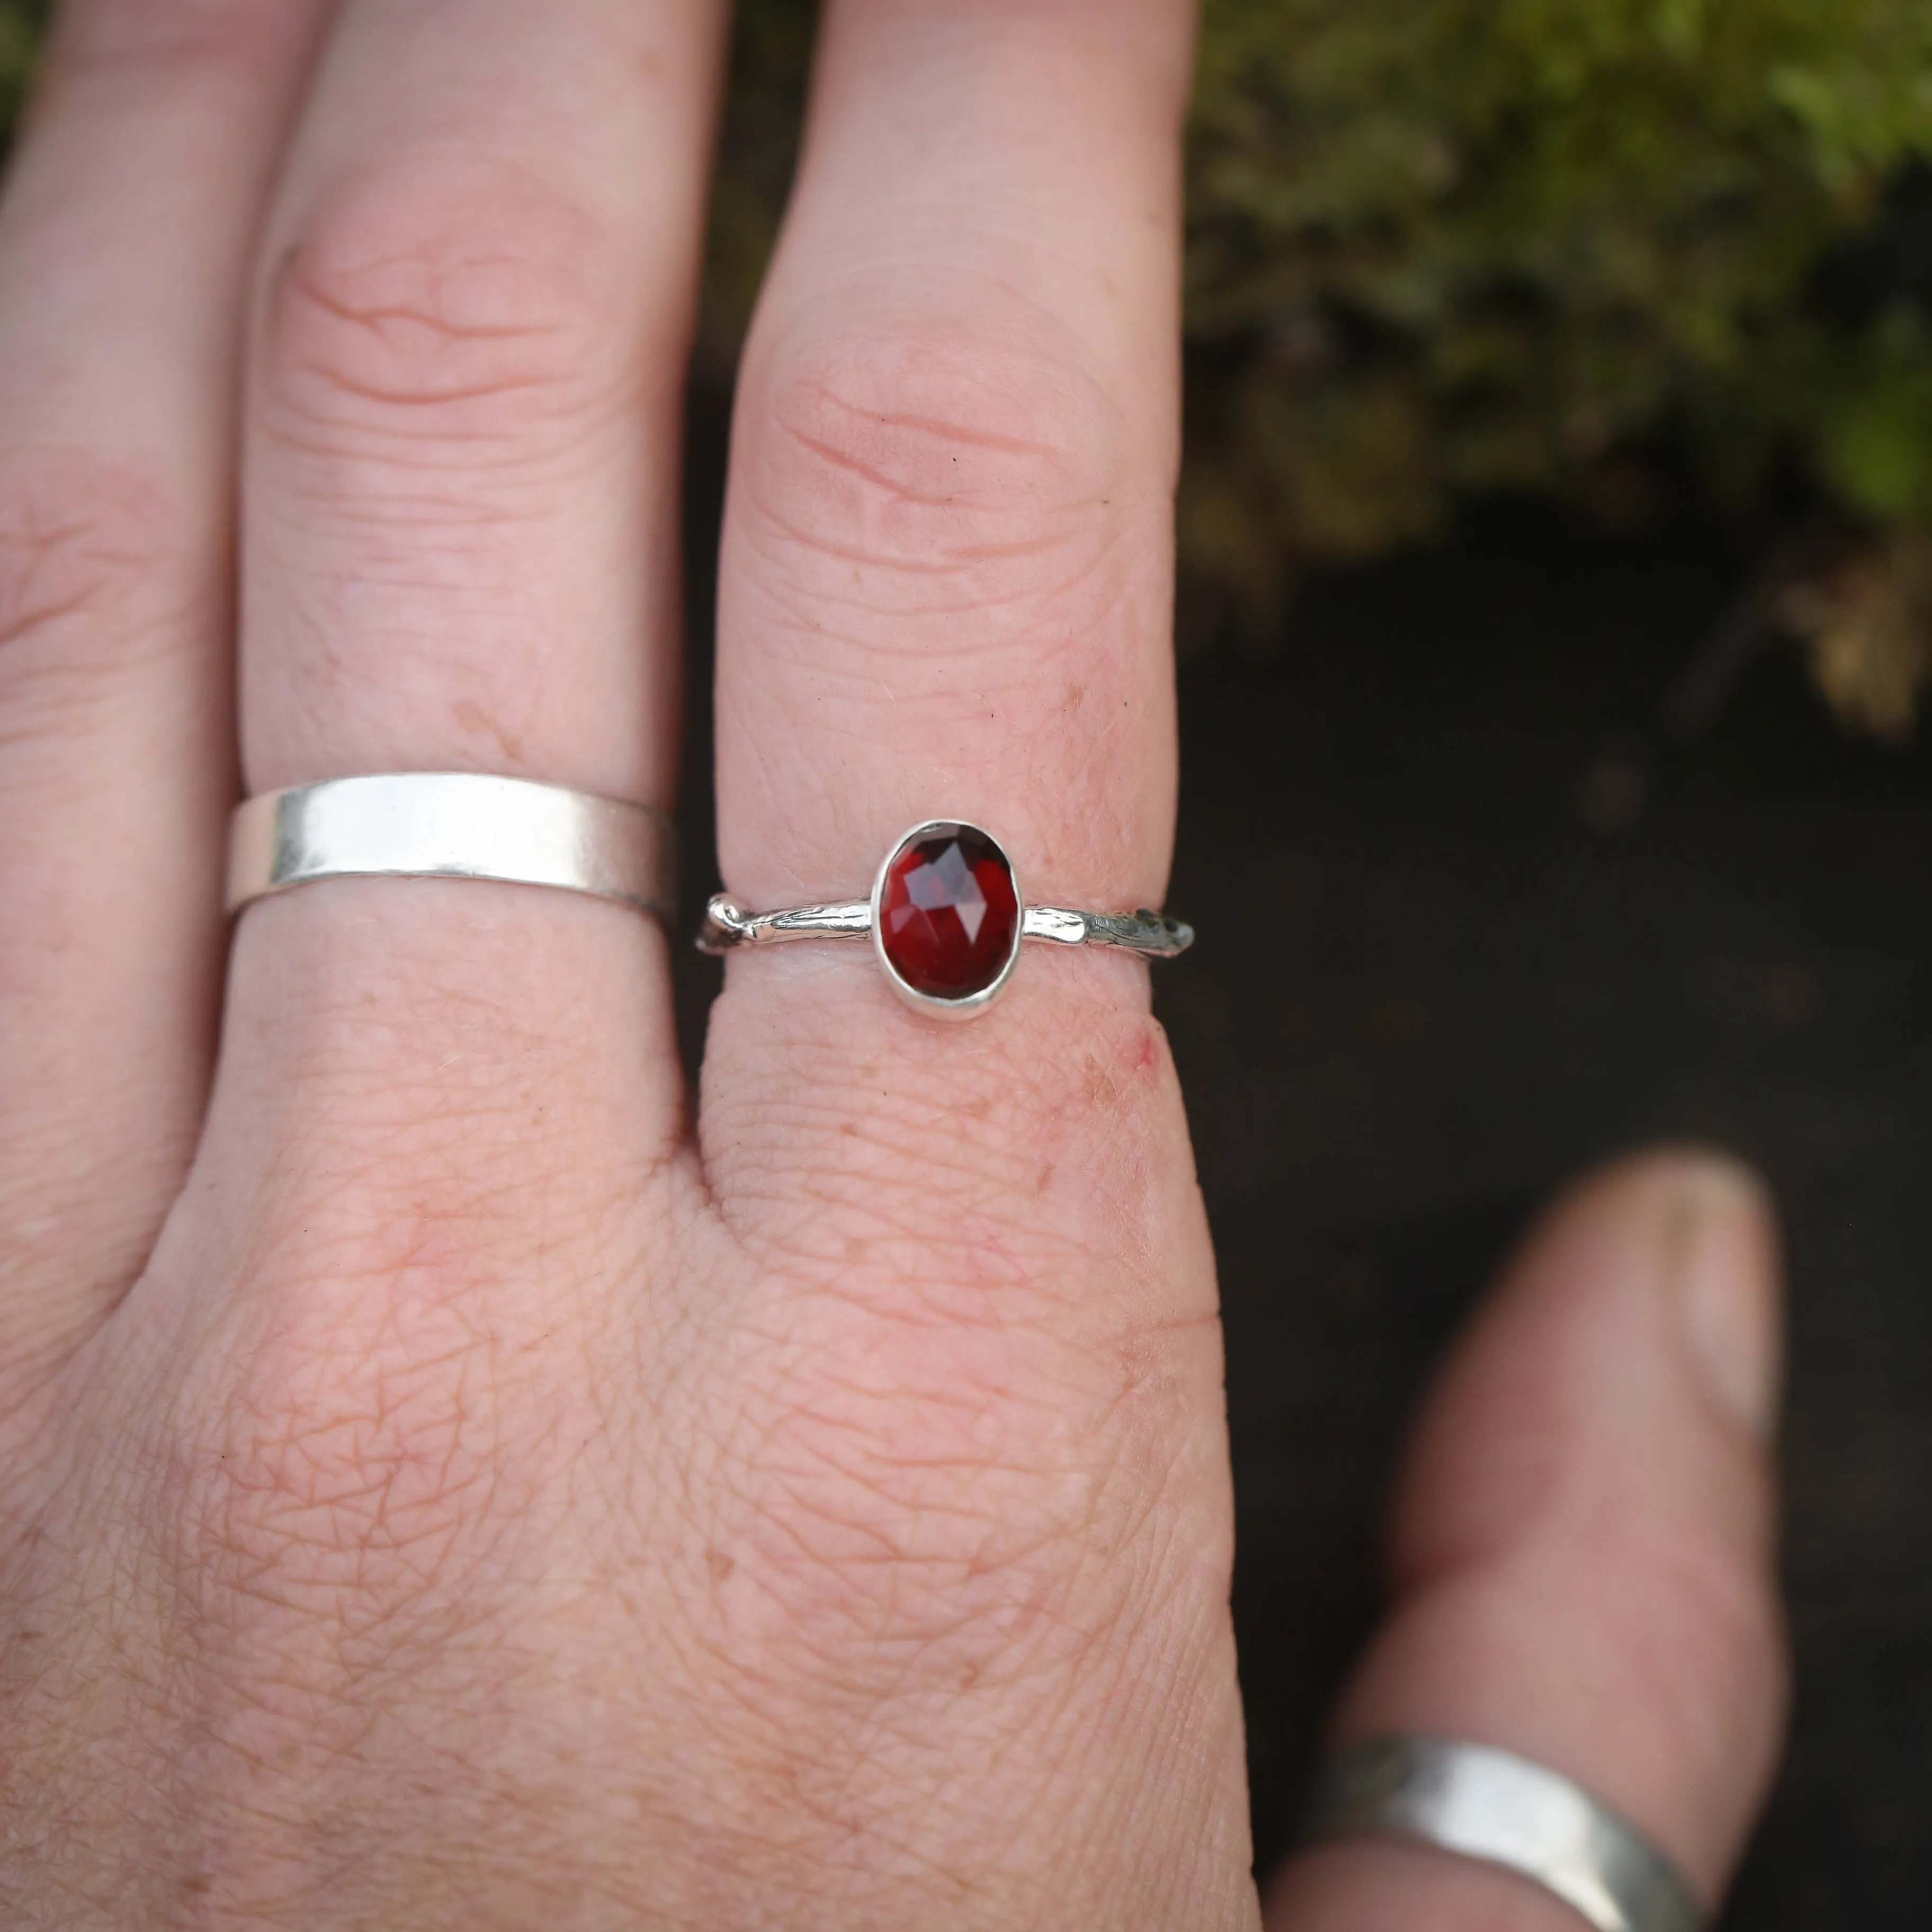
pixel 459 527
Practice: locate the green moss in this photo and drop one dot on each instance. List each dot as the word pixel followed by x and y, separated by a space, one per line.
pixel 22 25
pixel 1496 243
pixel 771 50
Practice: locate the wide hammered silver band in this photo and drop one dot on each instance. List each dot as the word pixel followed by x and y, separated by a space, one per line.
pixel 1490 1804
pixel 946 918
pixel 464 825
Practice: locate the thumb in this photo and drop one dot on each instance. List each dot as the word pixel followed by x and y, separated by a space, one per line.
pixel 1583 1549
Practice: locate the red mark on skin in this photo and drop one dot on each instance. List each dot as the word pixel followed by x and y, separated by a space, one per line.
pixel 1140 1054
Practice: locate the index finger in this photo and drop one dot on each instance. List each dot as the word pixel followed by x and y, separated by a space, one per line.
pixel 946 577
pixel 984 1359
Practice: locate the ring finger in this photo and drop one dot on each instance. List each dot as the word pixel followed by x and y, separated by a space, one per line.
pixel 131 206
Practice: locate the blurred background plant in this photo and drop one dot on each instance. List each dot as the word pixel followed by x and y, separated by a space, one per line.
pixel 20 24
pixel 1438 250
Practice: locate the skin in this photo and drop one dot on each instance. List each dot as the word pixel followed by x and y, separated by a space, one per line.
pixel 448 1478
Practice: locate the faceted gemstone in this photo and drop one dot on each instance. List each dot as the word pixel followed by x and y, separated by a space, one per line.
pixel 948 916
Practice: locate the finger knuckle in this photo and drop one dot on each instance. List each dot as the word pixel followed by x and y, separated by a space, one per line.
pixel 92 575
pixel 440 300
pixel 970 473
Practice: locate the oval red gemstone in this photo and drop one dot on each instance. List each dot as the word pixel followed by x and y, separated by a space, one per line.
pixel 949 915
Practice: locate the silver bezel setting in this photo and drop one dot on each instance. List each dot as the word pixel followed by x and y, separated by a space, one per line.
pixel 968 1004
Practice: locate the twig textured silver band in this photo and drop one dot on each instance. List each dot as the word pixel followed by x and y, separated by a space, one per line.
pixel 726 925
pixel 467 825
pixel 1506 1810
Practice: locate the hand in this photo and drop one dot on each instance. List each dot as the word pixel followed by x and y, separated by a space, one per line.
pixel 439 1487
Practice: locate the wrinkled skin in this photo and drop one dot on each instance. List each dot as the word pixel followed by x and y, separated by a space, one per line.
pixel 446 1479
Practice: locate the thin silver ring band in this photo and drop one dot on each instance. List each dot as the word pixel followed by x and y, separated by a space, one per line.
pixel 934 881
pixel 728 925
pixel 465 825
pixel 1490 1804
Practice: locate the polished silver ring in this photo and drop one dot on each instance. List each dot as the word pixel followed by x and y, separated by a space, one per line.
pixel 947 918
pixel 463 825
pixel 1490 1804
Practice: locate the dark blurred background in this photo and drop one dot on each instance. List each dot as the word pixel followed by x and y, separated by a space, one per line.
pixel 1499 931
pixel 1505 913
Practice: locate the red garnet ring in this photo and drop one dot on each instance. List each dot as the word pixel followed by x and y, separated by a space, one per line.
pixel 946 919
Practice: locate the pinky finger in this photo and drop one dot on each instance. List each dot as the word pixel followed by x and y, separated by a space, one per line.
pixel 1583 1551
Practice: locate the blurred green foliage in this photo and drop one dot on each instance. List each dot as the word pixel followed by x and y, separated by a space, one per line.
pixel 1461 244
pixel 21 22
pixel 1439 248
